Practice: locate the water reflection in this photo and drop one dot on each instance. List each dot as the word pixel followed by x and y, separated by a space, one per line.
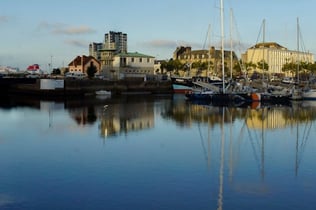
pixel 254 123
pixel 121 115
pixel 114 116
pixel 132 115
pixel 256 116
pixel 206 157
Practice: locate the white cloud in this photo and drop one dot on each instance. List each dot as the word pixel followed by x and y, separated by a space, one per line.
pixel 161 43
pixel 64 29
pixel 77 43
pixel 73 30
pixel 170 44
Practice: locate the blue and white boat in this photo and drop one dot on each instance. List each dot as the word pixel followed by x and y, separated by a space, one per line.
pixel 309 94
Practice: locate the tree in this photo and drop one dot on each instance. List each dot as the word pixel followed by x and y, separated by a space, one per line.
pixel 171 65
pixel 289 67
pixel 262 65
pixel 250 66
pixel 56 71
pixel 312 68
pixel 167 65
pixel 92 69
pixel 200 66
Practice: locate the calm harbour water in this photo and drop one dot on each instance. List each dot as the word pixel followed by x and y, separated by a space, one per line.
pixel 157 152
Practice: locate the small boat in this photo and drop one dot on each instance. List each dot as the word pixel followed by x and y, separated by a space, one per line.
pixel 200 95
pixel 186 84
pixel 103 92
pixel 309 94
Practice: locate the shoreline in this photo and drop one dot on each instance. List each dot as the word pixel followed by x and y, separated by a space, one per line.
pixel 86 87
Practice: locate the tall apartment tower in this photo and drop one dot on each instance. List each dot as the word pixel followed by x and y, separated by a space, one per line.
pixel 116 41
pixel 94 50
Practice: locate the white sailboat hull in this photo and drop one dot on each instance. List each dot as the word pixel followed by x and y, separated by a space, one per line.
pixel 309 94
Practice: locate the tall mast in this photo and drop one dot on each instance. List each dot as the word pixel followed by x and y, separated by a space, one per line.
pixel 263 41
pixel 298 50
pixel 231 44
pixel 222 44
pixel 209 52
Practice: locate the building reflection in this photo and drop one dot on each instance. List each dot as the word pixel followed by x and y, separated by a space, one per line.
pixel 123 118
pixel 115 116
pixel 128 114
pixel 259 117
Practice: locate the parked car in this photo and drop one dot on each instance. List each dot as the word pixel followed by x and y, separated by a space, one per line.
pixel 275 79
pixel 34 76
pixel 99 76
pixel 75 75
pixel 288 80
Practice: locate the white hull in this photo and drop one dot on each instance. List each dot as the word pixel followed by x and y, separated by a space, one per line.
pixel 310 94
pixel 103 92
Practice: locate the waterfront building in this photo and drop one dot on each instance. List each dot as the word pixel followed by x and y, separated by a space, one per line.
pixel 94 50
pixel 80 64
pixel 116 61
pixel 275 56
pixel 133 65
pixel 157 67
pixel 116 41
pixel 4 70
pixel 188 56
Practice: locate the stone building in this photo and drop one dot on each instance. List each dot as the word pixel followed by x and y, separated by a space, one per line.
pixel 188 56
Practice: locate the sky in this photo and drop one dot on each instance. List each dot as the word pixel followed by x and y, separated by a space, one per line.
pixel 43 32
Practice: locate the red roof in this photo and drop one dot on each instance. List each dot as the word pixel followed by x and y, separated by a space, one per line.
pixel 82 60
pixel 33 67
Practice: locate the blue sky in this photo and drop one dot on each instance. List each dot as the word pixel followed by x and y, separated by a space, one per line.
pixel 37 31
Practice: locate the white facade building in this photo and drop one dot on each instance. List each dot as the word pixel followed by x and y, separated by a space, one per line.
pixel 275 56
pixel 133 64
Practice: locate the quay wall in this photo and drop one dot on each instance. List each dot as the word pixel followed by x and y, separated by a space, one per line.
pixel 75 87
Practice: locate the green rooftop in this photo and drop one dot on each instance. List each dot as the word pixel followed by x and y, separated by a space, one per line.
pixel 134 54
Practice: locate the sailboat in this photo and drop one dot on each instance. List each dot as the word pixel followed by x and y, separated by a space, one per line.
pixel 236 96
pixel 190 84
pixel 226 93
pixel 309 93
pixel 296 93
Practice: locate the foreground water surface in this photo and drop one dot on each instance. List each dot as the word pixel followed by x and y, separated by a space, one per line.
pixel 155 152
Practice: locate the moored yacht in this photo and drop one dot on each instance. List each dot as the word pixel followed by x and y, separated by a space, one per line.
pixel 309 94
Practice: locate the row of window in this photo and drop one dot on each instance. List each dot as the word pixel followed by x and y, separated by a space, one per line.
pixel 137 71
pixel 140 60
pixel 74 70
pixel 197 56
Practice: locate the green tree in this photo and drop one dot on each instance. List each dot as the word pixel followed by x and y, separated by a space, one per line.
pixel 312 68
pixel 172 65
pixel 167 65
pixel 262 65
pixel 250 66
pixel 289 67
pixel 56 71
pixel 92 69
